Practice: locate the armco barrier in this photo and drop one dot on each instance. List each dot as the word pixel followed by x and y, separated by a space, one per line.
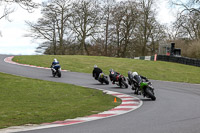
pixel 182 60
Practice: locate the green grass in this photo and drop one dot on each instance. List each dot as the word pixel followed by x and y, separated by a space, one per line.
pixel 158 70
pixel 31 101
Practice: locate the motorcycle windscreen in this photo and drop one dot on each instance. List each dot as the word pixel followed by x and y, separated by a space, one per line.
pixel 130 76
pixel 138 78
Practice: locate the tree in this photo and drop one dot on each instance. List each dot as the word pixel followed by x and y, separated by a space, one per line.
pixel 187 26
pixel 106 21
pixel 117 14
pixel 52 27
pixel 85 22
pixel 145 26
pixel 124 21
pixel 28 5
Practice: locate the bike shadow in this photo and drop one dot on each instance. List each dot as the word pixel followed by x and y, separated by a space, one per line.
pixel 118 88
pixel 54 77
pixel 146 99
pixel 98 84
pixel 140 97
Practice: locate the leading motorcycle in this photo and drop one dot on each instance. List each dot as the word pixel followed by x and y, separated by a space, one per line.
pixel 56 70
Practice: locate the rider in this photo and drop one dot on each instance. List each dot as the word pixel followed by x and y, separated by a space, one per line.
pixel 96 72
pixel 136 78
pixel 113 75
pixel 54 64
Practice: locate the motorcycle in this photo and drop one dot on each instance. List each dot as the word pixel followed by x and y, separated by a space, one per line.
pixel 142 87
pixel 103 79
pixel 56 70
pixel 120 80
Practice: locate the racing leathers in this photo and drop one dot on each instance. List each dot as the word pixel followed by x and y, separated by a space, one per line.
pixel 96 72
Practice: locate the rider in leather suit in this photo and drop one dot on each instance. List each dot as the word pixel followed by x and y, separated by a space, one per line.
pixel 96 72
pixel 113 75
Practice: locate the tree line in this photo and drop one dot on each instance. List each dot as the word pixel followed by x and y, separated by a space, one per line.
pixel 110 28
pixel 96 27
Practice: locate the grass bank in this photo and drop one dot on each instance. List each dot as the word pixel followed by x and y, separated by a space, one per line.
pixel 31 101
pixel 158 70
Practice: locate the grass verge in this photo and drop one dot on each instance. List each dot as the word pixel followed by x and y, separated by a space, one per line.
pixel 158 70
pixel 32 101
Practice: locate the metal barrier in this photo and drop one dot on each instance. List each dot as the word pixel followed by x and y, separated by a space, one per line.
pixel 182 60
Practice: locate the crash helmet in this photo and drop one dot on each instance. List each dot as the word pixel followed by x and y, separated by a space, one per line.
pixel 111 70
pixel 129 72
pixel 95 66
pixel 134 74
pixel 55 60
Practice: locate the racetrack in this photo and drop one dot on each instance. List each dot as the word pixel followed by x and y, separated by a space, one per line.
pixel 176 110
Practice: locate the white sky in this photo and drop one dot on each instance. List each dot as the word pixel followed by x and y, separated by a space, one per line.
pixel 13 41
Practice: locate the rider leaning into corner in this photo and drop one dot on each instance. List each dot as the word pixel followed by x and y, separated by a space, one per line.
pixel 113 75
pixel 136 78
pixel 96 72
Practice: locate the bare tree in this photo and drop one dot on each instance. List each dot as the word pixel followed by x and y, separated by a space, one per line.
pixel 146 24
pixel 111 28
pixel 85 22
pixel 52 27
pixel 117 39
pixel 157 35
pixel 129 22
pixel 28 5
pixel 106 21
pixel 188 19
pixel 187 26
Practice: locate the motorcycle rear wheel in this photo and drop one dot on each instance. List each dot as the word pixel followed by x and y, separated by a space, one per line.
pixel 106 80
pixel 59 74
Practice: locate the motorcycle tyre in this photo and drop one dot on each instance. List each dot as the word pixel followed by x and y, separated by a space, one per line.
pixel 123 84
pixel 150 94
pixel 53 74
pixel 106 81
pixel 59 74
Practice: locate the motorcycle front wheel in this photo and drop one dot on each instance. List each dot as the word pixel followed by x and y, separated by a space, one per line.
pixel 150 93
pixel 123 84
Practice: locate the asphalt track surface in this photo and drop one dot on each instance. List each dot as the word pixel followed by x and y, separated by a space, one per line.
pixel 176 110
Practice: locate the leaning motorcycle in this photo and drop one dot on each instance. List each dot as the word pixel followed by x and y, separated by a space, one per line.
pixel 56 70
pixel 120 81
pixel 143 87
pixel 103 79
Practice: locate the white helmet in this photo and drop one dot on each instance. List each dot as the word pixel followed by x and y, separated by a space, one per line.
pixel 95 66
pixel 134 74
pixel 55 60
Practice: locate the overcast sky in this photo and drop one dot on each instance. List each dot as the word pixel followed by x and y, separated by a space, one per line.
pixel 13 41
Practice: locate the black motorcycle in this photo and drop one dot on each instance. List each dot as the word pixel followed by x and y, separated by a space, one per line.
pixel 141 86
pixel 56 70
pixel 120 80
pixel 103 79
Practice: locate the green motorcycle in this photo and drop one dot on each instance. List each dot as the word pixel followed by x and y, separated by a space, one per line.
pixel 147 90
pixel 142 86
